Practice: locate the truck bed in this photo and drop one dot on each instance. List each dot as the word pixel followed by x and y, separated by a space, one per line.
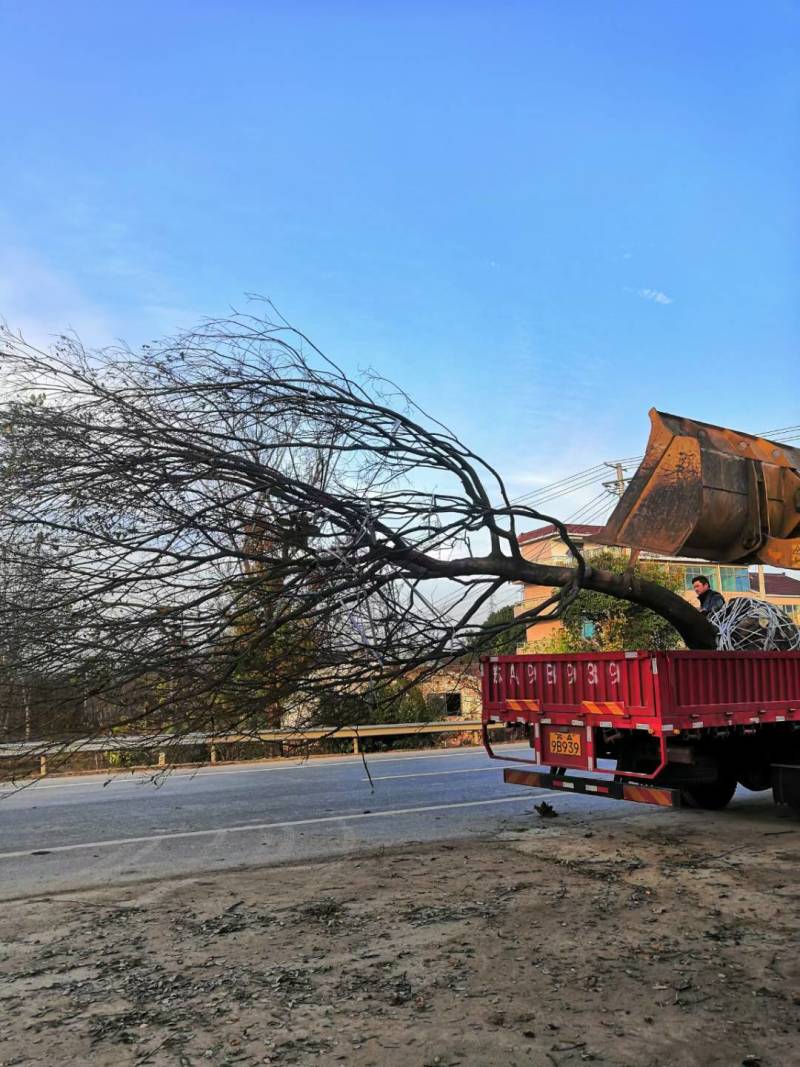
pixel 677 724
pixel 663 691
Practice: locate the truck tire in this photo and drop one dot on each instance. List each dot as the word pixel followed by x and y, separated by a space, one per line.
pixel 756 778
pixel 711 795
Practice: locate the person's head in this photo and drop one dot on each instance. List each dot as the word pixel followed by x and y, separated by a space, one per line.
pixel 701 584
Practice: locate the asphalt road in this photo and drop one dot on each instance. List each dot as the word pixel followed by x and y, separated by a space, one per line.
pixel 74 833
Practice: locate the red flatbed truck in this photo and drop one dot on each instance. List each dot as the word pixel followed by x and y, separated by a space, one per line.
pixel 681 726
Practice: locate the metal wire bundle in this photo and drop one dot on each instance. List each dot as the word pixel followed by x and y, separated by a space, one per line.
pixel 747 624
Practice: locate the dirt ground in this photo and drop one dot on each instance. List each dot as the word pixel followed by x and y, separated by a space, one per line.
pixel 653 940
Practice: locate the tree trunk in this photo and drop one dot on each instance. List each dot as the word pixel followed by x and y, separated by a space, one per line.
pixel 695 629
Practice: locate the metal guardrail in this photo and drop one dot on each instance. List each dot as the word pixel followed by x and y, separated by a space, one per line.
pixel 164 742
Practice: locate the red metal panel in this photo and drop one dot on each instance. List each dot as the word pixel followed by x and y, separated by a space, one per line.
pixel 733 683
pixel 563 683
pixel 680 689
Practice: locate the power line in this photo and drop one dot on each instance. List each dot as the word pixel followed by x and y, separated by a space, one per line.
pixel 574 517
pixel 580 516
pixel 592 475
pixel 782 430
pixel 562 484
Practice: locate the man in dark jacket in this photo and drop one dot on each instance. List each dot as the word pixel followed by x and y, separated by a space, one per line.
pixel 710 599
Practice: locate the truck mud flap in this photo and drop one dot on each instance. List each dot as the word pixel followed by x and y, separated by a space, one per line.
pixel 641 794
pixel 786 784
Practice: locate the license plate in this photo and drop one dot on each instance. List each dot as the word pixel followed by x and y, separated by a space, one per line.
pixel 564 743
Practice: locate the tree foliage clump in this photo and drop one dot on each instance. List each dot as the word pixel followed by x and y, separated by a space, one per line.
pixel 501 633
pixel 596 622
pixel 397 703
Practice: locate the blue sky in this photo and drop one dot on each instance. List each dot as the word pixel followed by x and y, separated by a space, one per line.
pixel 539 218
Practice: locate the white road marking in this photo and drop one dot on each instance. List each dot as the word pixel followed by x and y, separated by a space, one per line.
pixel 140 779
pixel 113 843
pixel 429 774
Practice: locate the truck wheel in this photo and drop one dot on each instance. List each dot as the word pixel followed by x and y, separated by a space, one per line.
pixel 711 795
pixel 756 778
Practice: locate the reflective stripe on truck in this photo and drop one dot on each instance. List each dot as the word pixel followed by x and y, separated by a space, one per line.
pixel 641 794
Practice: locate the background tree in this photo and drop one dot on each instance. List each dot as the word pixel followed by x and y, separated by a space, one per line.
pixel 501 633
pixel 596 622
pixel 395 703
pixel 167 491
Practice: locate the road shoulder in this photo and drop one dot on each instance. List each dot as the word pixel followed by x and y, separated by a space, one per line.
pixel 639 942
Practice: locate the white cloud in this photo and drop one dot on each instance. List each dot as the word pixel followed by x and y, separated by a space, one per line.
pixel 655 295
pixel 41 302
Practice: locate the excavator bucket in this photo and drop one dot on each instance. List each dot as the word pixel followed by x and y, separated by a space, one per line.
pixel 711 493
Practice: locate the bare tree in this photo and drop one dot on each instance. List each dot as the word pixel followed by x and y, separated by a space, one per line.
pixel 228 525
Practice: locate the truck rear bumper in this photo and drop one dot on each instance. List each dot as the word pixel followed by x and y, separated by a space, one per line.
pixel 642 794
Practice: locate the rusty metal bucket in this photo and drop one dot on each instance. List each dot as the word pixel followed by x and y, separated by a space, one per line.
pixel 711 493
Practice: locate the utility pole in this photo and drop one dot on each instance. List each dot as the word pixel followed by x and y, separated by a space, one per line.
pixel 617 487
